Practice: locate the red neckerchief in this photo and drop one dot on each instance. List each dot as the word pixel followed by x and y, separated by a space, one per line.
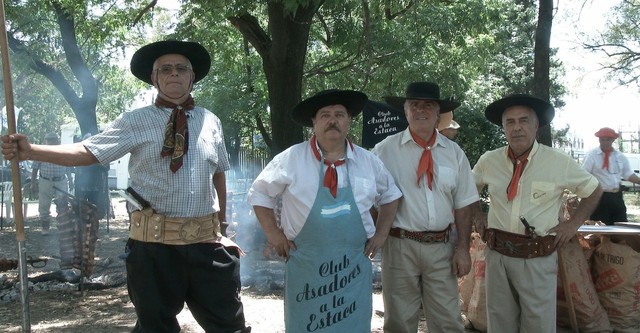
pixel 518 164
pixel 426 160
pixel 605 163
pixel 176 134
pixel 331 175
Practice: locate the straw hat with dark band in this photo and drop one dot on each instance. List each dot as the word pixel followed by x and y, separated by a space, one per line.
pixel 352 100
pixel 543 109
pixel 142 61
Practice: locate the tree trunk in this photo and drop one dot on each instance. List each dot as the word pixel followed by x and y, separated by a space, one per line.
pixel 541 62
pixel 283 55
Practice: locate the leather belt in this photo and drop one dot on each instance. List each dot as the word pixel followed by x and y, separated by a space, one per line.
pixel 421 236
pixel 148 226
pixel 55 179
pixel 519 245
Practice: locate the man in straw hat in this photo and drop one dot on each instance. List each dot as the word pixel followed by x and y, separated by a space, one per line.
pixel 177 164
pixel 420 266
pixel 525 182
pixel 327 233
pixel 447 126
pixel 609 166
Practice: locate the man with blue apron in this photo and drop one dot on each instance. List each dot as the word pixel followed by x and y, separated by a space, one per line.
pixel 326 231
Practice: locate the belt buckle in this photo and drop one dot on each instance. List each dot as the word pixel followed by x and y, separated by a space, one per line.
pixel 402 235
pixel 190 230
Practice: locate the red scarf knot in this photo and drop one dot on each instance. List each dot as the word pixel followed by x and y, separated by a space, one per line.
pixel 331 174
pixel 519 163
pixel 426 160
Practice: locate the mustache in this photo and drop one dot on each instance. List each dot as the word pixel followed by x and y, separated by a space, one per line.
pixel 332 127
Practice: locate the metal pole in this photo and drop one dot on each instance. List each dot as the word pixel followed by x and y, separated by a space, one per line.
pixel 15 175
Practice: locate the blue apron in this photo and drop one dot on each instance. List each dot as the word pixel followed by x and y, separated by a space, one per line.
pixel 328 277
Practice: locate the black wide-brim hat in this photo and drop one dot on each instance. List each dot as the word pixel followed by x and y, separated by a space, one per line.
pixel 352 100
pixel 543 109
pixel 425 91
pixel 142 61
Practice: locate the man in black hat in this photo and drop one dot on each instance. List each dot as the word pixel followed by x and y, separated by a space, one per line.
pixel 526 181
pixel 327 233
pixel 177 164
pixel 420 265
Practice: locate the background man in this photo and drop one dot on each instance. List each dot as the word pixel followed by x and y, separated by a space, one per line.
pixel 447 126
pixel 419 264
pixel 525 181
pixel 177 166
pixel 609 166
pixel 54 181
pixel 327 186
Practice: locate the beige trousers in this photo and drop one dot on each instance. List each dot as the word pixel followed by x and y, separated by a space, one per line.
pixel 416 273
pixel 521 293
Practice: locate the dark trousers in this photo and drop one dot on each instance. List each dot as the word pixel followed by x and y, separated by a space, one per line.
pixel 611 208
pixel 161 278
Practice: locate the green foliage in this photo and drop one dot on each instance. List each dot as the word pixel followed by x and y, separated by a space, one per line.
pixel 621 42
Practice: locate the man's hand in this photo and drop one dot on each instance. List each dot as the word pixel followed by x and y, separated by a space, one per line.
pixel 15 145
pixel 373 244
pixel 279 241
pixel 564 232
pixel 461 263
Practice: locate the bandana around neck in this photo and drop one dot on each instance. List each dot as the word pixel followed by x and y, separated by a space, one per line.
pixel 176 134
pixel 330 175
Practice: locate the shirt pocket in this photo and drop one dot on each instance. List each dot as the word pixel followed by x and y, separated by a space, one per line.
pixel 446 178
pixel 364 191
pixel 207 147
pixel 542 192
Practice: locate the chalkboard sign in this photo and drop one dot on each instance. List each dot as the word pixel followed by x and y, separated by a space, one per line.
pixel 380 120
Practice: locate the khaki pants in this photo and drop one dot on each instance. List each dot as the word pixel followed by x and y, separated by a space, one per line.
pixel 46 193
pixel 521 293
pixel 416 273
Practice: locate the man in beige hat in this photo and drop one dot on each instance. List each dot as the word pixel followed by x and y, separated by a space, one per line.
pixel 610 167
pixel 447 126
pixel 177 168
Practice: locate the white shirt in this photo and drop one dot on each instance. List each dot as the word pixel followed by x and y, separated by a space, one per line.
pixel 294 173
pixel 609 178
pixel 421 208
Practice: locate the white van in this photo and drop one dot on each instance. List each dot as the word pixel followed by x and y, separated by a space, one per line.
pixel 634 163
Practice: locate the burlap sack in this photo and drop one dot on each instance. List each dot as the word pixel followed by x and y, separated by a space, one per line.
pixel 465 283
pixel 617 282
pixel 477 309
pixel 590 315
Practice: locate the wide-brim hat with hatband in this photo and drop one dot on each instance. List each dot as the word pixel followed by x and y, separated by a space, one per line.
pixel 607 132
pixel 543 109
pixel 142 61
pixel 446 121
pixel 425 91
pixel 353 101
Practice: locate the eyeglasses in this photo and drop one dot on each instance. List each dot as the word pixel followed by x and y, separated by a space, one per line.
pixel 168 69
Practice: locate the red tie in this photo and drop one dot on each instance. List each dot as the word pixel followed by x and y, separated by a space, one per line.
pixel 176 134
pixel 605 163
pixel 518 163
pixel 426 160
pixel 331 175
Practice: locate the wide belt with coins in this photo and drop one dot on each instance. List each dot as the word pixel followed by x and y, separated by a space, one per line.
pixel 148 226
pixel 519 245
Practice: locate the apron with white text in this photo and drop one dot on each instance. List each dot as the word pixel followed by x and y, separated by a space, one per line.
pixel 328 277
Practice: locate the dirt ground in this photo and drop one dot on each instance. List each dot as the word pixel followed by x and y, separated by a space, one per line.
pixel 109 310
